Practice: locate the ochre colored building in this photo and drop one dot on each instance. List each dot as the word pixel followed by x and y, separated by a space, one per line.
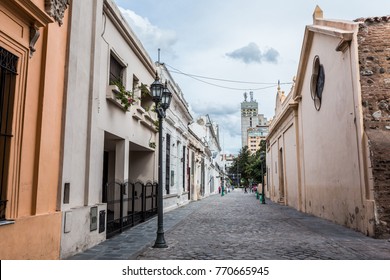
pixel 328 146
pixel 33 43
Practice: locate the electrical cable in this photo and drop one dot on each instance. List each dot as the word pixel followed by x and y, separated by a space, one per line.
pixel 199 78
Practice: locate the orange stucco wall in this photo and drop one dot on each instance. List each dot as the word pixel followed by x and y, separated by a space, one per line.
pixel 37 125
pixel 31 238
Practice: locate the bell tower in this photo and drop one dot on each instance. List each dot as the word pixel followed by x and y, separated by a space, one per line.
pixel 249 119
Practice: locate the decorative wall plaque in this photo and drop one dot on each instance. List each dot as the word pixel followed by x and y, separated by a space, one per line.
pixel 317 82
pixel 56 9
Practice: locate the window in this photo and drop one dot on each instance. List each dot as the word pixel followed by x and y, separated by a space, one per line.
pixel 167 163
pixel 8 63
pixel 146 99
pixel 135 83
pixel 192 164
pixel 183 159
pixel 116 70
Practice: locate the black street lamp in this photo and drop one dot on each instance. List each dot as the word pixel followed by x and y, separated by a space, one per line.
pixel 262 158
pixel 222 185
pixel 162 98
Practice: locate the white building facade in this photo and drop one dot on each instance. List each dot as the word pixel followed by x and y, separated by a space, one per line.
pixel 211 166
pixel 176 160
pixel 106 145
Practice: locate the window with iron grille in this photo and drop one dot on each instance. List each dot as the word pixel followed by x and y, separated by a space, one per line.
pixel 8 64
pixel 116 70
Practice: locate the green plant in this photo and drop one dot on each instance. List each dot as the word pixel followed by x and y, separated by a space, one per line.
pixel 144 90
pixel 152 145
pixel 125 97
pixel 156 124
pixel 249 165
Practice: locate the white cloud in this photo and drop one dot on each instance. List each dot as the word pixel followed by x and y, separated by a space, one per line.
pixel 248 54
pixel 252 54
pixel 216 109
pixel 151 36
pixel 271 55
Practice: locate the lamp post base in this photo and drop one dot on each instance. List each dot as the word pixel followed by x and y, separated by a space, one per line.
pixel 160 241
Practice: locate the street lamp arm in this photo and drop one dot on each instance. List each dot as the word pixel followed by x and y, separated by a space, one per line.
pixel 161 112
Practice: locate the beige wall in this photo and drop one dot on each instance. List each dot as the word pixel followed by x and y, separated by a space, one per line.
pixel 272 160
pixel 324 152
pixel 290 165
pixel 282 163
pixel 145 168
pixel 328 137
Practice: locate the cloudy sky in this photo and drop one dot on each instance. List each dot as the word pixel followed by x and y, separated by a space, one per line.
pixel 217 50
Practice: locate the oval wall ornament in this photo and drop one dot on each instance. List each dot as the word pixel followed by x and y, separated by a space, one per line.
pixel 317 82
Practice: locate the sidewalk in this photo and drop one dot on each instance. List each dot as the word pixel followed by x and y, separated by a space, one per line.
pixel 131 242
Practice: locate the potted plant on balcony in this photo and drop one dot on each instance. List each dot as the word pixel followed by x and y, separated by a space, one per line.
pixel 124 96
pixel 152 145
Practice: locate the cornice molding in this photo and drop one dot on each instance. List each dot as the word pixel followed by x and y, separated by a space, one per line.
pixel 29 12
pixel 129 36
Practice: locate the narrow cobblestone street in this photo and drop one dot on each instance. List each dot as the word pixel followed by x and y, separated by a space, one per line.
pixel 237 227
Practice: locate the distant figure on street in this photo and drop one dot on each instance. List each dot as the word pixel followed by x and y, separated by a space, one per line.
pixel 219 189
pixel 245 190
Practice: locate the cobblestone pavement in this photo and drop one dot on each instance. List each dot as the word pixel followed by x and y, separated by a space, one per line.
pixel 237 227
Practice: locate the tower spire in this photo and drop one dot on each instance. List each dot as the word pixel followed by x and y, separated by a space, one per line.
pixel 318 13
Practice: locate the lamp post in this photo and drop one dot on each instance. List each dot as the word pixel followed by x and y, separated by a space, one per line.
pixel 262 157
pixel 162 98
pixel 238 180
pixel 223 186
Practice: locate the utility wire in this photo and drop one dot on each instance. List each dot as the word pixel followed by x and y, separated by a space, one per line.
pixel 199 78
pixel 232 88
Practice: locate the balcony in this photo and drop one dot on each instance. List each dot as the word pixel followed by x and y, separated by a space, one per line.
pixel 146 118
pixel 112 91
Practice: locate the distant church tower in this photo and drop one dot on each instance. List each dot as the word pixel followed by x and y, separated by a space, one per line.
pixel 249 117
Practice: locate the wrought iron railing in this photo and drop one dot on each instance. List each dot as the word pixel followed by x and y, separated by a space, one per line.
pixel 129 204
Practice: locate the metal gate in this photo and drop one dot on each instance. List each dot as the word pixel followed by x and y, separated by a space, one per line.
pixel 129 204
